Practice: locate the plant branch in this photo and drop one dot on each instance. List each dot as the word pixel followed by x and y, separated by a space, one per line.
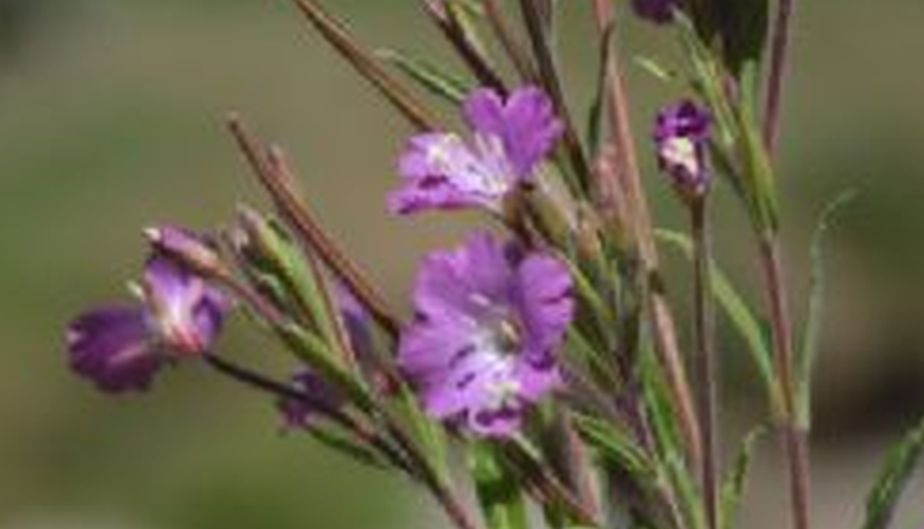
pixel 627 179
pixel 795 437
pixel 778 69
pixel 706 361
pixel 337 35
pixel 277 178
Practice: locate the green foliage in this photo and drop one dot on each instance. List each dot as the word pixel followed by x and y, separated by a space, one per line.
pixel 809 350
pixel 733 488
pixel 498 491
pixel 738 313
pixel 441 83
pixel 894 476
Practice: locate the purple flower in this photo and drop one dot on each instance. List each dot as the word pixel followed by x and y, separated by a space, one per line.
pixel 122 347
pixel 658 11
pixel 111 346
pixel 489 318
pixel 509 139
pixel 681 137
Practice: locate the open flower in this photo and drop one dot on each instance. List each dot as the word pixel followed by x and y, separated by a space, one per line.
pixel 681 137
pixel 482 347
pixel 122 347
pixel 658 11
pixel 509 139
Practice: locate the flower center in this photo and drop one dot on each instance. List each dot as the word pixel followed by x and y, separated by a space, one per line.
pixel 681 152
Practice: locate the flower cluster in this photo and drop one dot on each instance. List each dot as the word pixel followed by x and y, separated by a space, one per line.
pixel 547 348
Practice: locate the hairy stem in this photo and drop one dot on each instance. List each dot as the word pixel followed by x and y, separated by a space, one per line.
pixel 706 362
pixel 795 437
pixel 777 77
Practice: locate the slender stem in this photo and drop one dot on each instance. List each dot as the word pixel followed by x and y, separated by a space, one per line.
pixel 795 437
pixel 630 181
pixel 706 362
pixel 337 35
pixel 408 458
pixel 446 19
pixel 507 39
pixel 777 77
pixel 263 383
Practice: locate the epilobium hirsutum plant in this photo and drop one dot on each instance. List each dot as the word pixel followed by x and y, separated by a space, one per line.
pixel 547 349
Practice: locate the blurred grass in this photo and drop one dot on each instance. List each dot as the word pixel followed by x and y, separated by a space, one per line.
pixel 111 119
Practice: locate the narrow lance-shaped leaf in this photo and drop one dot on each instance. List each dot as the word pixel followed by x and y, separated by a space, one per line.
pixel 892 479
pixel 499 493
pixel 429 434
pixel 437 81
pixel 617 446
pixel 595 121
pixel 738 313
pixel 733 489
pixel 809 350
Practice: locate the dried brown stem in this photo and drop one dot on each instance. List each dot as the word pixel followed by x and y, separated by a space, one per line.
pixel 337 35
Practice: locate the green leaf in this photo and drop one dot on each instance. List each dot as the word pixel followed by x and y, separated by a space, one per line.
pixel 499 492
pixel 441 83
pixel 737 311
pixel 733 488
pixel 616 445
pixel 291 274
pixel 892 479
pixel 348 447
pixel 428 433
pixel 595 121
pixel 809 349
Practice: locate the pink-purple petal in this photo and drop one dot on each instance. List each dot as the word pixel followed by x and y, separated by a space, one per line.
pixel 111 346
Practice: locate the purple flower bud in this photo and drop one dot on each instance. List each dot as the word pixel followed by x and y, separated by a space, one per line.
pixel 482 348
pixel 185 246
pixel 509 139
pixel 681 136
pixel 121 348
pixel 657 11
pixel 319 394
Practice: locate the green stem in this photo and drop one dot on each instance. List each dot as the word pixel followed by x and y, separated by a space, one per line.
pixel 705 359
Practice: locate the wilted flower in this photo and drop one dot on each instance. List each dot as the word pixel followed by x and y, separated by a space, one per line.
pixel 658 11
pixel 122 347
pixel 509 139
pixel 489 318
pixel 682 138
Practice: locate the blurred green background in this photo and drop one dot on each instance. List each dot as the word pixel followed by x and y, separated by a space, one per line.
pixel 111 119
